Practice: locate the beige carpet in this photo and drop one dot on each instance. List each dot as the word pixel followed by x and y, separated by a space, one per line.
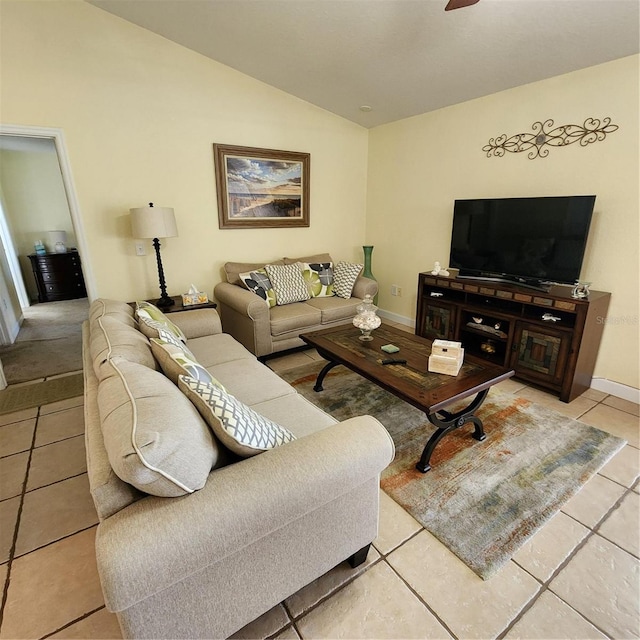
pixel 49 341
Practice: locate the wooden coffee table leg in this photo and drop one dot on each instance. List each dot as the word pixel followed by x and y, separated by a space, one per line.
pixel 447 422
pixel 320 379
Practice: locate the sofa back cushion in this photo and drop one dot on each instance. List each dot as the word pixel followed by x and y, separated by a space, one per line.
pixel 232 270
pixel 114 333
pixel 319 257
pixel 155 438
pixel 110 494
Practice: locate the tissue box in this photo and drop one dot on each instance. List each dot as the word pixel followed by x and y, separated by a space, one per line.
pixel 446 357
pixel 189 299
pixel 447 348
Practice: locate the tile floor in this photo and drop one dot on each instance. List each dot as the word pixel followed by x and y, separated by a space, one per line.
pixel 579 577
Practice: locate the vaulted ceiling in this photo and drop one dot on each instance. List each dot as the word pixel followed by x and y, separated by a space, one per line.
pixel 376 61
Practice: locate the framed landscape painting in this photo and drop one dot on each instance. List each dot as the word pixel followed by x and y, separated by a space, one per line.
pixel 261 188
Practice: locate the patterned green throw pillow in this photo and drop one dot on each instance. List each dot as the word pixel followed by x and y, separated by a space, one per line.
pixel 319 278
pixel 258 282
pixel 151 320
pixel 239 428
pixel 176 359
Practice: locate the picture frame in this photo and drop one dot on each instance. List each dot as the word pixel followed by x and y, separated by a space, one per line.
pixel 261 188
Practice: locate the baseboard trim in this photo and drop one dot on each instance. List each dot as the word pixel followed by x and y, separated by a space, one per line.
pixel 395 317
pixel 616 389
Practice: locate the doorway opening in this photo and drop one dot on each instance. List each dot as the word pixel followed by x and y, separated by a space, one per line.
pixel 38 205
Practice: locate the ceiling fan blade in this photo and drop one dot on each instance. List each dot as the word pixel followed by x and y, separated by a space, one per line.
pixel 459 4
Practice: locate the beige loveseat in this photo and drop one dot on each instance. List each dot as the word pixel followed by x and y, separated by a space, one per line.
pixel 209 560
pixel 267 330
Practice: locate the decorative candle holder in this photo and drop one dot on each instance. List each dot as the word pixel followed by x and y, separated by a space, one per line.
pixel 580 289
pixel 366 319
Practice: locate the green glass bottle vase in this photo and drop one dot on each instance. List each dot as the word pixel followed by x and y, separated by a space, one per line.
pixel 368 250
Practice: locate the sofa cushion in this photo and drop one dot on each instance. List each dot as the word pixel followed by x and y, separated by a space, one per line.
pixel 250 381
pixel 344 277
pixel 237 426
pixel 334 309
pixel 155 439
pixel 296 413
pixel 288 283
pixel 176 361
pixel 293 317
pixel 232 270
pixel 111 337
pixel 319 257
pixel 115 308
pixel 319 278
pixel 258 282
pixel 217 349
pixel 152 320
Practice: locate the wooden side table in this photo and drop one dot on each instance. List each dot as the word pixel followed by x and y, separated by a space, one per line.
pixel 178 306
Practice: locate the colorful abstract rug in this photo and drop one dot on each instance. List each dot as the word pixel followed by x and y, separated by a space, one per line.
pixel 483 500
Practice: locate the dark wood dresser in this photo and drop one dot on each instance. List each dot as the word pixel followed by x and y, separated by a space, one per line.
pixel 58 276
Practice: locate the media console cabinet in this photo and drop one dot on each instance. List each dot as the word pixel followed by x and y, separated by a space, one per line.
pixel 549 339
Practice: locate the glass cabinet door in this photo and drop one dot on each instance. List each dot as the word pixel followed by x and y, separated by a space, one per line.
pixel 438 322
pixel 540 353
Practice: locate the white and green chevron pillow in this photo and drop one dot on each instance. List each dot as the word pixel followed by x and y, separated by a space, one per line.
pixel 238 427
pixel 344 277
pixel 288 282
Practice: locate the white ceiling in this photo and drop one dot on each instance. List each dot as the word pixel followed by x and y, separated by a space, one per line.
pixel 400 57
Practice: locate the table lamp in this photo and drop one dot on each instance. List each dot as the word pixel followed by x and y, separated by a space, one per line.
pixel 155 222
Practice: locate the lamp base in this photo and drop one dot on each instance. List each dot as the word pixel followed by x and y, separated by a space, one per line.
pixel 164 302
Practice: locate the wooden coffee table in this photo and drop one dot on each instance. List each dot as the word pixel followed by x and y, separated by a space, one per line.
pixel 412 382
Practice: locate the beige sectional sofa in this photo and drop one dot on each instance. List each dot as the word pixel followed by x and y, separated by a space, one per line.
pixel 214 548
pixel 265 330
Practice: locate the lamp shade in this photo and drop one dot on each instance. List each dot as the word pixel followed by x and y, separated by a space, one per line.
pixel 153 222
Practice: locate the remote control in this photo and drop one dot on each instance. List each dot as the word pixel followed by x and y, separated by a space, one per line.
pixel 394 361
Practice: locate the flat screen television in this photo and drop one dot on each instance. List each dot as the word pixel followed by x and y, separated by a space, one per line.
pixel 529 241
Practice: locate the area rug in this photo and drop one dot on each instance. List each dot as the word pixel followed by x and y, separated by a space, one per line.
pixel 39 393
pixel 483 500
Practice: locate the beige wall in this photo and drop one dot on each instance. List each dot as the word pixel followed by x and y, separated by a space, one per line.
pixel 140 115
pixel 419 166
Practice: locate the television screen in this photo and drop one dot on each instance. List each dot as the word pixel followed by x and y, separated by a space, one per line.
pixel 526 240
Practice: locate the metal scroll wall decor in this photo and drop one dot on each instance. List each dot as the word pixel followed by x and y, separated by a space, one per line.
pixel 545 136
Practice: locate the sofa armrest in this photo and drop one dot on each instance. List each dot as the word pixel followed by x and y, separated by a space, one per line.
pixel 241 300
pixel 197 323
pixel 364 285
pixel 146 548
pixel 245 316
